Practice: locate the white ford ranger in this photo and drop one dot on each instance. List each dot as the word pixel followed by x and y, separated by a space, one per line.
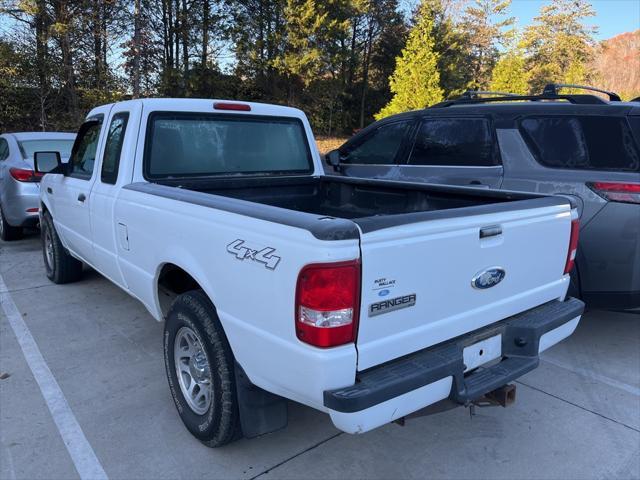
pixel 365 299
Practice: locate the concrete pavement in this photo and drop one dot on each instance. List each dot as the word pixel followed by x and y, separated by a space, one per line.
pixel 577 416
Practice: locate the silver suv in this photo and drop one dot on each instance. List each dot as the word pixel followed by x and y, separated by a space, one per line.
pixel 578 145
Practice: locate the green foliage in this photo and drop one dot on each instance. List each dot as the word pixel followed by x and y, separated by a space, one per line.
pixel 510 74
pixel 341 61
pixel 451 43
pixel 415 83
pixel 559 44
pixel 486 25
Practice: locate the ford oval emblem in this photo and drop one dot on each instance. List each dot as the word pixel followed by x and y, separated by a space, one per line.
pixel 383 293
pixel 488 278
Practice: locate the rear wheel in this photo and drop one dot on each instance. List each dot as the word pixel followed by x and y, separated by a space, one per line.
pixel 200 370
pixel 7 232
pixel 59 265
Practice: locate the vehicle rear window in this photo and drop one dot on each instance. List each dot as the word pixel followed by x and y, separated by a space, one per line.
pixel 460 142
pixel 582 142
pixel 186 144
pixel 29 147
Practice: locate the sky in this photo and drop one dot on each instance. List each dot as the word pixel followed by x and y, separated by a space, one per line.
pixel 612 16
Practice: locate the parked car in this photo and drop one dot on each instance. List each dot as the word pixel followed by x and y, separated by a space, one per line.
pixel 577 145
pixel 365 299
pixel 19 184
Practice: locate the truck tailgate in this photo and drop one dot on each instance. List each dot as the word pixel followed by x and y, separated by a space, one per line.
pixel 418 284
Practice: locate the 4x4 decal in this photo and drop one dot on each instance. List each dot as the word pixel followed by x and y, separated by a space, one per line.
pixel 264 256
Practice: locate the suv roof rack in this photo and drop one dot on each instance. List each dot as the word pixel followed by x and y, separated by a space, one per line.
pixel 478 93
pixel 552 89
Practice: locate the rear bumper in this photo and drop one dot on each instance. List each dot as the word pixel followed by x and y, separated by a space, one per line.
pixel 17 203
pixel 397 388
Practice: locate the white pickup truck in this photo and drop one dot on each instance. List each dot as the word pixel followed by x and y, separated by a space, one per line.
pixel 365 299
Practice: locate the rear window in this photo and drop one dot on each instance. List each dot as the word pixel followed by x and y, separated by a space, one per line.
pixel 460 142
pixel 582 142
pixel 29 147
pixel 186 145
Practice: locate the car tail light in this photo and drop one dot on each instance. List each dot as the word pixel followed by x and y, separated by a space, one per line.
pixel 617 192
pixel 241 107
pixel 25 175
pixel 327 303
pixel 573 246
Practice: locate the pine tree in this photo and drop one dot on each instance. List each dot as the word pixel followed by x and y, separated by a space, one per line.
pixel 559 45
pixel 487 26
pixel 510 74
pixel 415 83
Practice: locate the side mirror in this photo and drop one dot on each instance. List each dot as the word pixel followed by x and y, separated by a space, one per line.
pixel 333 159
pixel 47 162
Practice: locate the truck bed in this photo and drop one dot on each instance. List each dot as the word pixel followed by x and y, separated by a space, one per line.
pixel 372 204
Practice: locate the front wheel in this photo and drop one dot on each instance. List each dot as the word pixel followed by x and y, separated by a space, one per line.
pixel 200 370
pixel 59 265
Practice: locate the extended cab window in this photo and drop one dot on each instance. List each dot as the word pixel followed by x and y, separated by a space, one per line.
pixel 113 148
pixel 83 155
pixel 582 142
pixel 186 144
pixel 461 142
pixel 379 147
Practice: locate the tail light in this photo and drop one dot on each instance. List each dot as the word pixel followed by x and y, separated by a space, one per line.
pixel 573 246
pixel 25 175
pixel 617 192
pixel 327 303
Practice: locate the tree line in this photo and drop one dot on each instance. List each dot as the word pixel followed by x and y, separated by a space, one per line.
pixel 342 61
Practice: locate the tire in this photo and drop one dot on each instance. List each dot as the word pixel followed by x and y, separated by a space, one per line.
pixel 59 265
pixel 216 422
pixel 7 232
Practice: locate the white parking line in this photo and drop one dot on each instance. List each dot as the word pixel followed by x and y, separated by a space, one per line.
pixel 594 376
pixel 82 455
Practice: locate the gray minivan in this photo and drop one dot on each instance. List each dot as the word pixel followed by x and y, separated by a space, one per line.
pixel 579 145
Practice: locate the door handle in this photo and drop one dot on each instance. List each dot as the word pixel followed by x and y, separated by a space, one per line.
pixel 82 197
pixel 492 231
pixel 475 182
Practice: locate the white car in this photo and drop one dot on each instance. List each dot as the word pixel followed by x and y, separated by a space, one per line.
pixel 364 299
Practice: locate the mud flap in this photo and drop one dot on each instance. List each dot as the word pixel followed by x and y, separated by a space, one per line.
pixel 261 412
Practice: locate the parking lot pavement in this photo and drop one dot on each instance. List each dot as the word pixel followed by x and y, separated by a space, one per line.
pixel 577 416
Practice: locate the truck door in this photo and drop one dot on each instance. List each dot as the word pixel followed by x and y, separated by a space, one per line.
pixel 454 151
pixel 115 160
pixel 72 191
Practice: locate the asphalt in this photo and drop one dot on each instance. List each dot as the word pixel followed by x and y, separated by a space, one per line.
pixel 576 416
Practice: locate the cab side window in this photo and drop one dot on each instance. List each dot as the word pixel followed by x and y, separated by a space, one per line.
pixel 113 148
pixel 4 149
pixel 83 155
pixel 380 147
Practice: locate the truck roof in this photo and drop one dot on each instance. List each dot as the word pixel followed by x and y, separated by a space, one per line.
pixel 23 136
pixel 207 105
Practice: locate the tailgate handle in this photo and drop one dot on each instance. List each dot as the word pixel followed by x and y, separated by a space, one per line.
pixel 492 231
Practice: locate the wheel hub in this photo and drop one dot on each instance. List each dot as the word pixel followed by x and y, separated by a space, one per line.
pixel 192 370
pixel 48 248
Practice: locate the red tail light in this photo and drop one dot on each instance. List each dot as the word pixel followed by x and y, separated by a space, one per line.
pixel 327 303
pixel 617 192
pixel 573 246
pixel 24 175
pixel 241 107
